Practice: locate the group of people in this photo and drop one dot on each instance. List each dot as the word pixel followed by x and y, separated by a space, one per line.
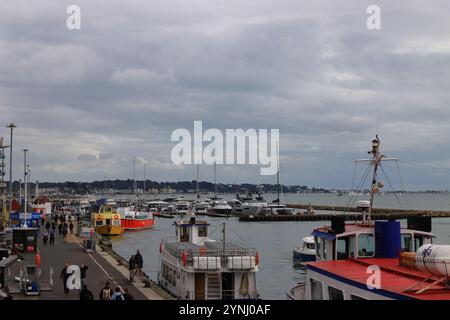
pixel 106 293
pixel 135 265
pixel 57 221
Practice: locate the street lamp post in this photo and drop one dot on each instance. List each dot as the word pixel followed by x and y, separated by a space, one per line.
pixel 25 182
pixel 11 126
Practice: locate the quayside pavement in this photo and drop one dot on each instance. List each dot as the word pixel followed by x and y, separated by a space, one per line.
pixel 102 268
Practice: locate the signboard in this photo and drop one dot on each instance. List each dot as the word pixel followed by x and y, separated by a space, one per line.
pixel 2 185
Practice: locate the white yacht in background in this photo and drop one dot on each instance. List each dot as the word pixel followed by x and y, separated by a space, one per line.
pixel 196 267
pixel 219 207
pixel 201 207
pixel 182 206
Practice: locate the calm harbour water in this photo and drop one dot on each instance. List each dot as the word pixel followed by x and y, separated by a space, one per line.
pixel 275 240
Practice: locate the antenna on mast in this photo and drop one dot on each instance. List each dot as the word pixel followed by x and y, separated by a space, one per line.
pixel 377 157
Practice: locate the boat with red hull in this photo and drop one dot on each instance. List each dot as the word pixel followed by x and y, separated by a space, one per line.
pixel 136 219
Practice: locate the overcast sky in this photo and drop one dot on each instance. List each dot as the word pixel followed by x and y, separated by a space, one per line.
pixel 85 101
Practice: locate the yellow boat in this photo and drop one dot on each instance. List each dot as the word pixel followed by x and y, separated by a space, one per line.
pixel 107 221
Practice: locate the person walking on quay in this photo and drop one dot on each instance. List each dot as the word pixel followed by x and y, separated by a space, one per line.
pixel 118 295
pixel 45 237
pixel 53 226
pixel 52 237
pixel 106 292
pixel 42 220
pixel 83 269
pixel 86 294
pixel 71 227
pixel 132 267
pixel 60 228
pixel 64 276
pixel 139 262
pixel 127 295
pixel 64 233
pixel 47 226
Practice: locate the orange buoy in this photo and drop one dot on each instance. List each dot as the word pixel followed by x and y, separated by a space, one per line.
pixel 203 251
pixel 116 217
pixel 257 258
pixel 38 260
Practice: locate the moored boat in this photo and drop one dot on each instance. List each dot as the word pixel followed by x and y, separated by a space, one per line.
pixel 196 267
pixel 376 260
pixel 107 221
pixel 136 219
pixel 306 251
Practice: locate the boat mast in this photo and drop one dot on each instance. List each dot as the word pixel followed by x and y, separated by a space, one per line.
pixel 134 176
pixel 144 177
pixel 278 175
pixel 198 183
pixel 215 179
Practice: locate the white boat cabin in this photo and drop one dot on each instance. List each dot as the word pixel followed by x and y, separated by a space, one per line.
pixel 195 267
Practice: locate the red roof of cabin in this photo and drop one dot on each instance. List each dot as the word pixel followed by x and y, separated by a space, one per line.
pixel 394 278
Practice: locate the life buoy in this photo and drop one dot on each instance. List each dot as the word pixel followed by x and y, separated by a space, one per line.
pixel 184 258
pixel 116 217
pixel 257 258
pixel 202 251
pixel 99 217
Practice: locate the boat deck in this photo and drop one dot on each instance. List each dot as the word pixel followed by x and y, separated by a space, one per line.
pixel 395 280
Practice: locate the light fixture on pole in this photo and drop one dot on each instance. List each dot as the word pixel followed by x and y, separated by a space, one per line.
pixel 25 187
pixel 11 126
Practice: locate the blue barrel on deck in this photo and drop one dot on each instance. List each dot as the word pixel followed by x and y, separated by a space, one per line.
pixel 387 239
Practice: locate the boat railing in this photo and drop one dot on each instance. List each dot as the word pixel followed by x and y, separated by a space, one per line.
pixel 240 294
pixel 224 254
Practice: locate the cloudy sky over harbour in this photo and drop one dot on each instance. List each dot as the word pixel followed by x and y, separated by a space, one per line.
pixel 85 101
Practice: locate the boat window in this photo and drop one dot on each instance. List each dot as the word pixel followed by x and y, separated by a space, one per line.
pixel 342 248
pixel 316 290
pixel 418 242
pixel 202 231
pixel 324 248
pixel 335 294
pixel 366 245
pixel 99 222
pixel 353 297
pixel 117 222
pixel 351 247
pixel 317 243
pixel 174 279
pixel 406 242
pixel 310 246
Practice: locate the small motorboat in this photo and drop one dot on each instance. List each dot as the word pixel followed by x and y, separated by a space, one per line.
pixel 306 251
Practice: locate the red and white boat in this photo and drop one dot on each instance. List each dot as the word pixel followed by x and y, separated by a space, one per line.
pixel 376 260
pixel 136 219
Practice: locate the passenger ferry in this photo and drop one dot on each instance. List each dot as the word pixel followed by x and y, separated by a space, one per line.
pixel 195 267
pixel 136 218
pixel 376 260
pixel 107 221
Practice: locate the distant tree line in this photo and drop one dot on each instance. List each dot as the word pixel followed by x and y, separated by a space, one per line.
pixel 180 186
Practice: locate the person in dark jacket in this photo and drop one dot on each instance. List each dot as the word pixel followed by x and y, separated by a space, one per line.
pixel 132 267
pixel 47 226
pixel 64 276
pixel 52 237
pixel 86 294
pixel 127 295
pixel 71 227
pixel 106 292
pixel 83 269
pixel 139 262
pixel 60 228
pixel 64 233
